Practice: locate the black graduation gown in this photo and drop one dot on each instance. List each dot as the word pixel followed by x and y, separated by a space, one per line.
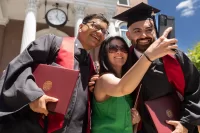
pixel 18 89
pixel 155 84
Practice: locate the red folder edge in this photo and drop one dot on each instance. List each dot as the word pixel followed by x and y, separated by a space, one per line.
pixel 162 109
pixel 56 82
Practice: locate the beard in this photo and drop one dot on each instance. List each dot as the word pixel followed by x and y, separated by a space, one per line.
pixel 141 47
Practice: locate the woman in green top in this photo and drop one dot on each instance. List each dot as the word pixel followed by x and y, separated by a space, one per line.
pixel 111 104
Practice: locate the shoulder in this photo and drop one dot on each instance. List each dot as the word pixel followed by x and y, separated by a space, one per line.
pixel 101 86
pixel 104 80
pixel 107 80
pixel 49 38
pixel 182 57
pixel 181 53
pixel 106 77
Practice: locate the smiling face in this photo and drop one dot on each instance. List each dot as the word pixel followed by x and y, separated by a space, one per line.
pixel 117 54
pixel 92 33
pixel 142 34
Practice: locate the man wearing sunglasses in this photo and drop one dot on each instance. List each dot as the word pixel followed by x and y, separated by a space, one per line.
pixel 21 99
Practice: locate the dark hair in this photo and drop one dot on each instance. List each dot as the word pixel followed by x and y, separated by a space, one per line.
pixel 105 66
pixel 97 16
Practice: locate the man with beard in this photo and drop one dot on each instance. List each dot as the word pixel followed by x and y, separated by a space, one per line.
pixel 142 33
pixel 22 102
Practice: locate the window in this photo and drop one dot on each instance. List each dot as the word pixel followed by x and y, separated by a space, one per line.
pixel 123 30
pixel 123 2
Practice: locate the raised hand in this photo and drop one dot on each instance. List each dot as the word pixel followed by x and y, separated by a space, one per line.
pixel 39 105
pixel 162 46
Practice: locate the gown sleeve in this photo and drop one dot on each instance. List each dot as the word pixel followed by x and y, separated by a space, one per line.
pixel 17 84
pixel 190 110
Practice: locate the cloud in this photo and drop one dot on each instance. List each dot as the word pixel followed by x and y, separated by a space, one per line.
pixel 188 7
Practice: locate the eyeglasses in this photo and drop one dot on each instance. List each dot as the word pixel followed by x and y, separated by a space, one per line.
pixel 96 27
pixel 113 48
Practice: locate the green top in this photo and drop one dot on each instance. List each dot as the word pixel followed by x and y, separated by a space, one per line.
pixel 112 115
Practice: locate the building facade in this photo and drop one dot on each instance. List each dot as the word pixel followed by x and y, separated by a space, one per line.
pixel 22 21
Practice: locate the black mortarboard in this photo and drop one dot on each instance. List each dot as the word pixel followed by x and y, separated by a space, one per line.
pixel 139 12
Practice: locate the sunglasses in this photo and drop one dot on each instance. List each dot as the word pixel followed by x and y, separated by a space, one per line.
pixel 113 48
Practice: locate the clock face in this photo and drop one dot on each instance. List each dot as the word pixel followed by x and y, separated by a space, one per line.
pixel 56 17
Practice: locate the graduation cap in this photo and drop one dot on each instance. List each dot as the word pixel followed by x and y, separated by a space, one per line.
pixel 139 12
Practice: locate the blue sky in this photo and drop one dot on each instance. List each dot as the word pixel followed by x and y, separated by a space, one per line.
pixel 187 19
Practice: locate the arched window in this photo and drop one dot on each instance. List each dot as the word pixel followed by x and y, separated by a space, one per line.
pixel 123 29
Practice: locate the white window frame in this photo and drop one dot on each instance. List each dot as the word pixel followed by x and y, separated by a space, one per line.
pixel 128 3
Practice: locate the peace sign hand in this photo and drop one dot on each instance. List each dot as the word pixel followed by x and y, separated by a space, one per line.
pixel 162 46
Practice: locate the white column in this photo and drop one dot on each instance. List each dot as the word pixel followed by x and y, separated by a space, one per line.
pixel 112 29
pixel 4 21
pixel 3 18
pixel 29 31
pixel 79 15
pixel 109 14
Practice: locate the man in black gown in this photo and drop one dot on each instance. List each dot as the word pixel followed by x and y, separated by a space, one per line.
pixel 142 33
pixel 21 101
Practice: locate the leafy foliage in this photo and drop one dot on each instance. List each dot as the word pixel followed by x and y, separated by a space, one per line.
pixel 194 55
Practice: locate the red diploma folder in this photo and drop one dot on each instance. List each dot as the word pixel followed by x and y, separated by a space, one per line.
pixel 57 82
pixel 162 109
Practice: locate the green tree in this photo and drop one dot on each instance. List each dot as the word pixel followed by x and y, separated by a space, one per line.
pixel 194 55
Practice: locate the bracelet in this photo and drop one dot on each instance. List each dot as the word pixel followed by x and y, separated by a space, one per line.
pixel 147 57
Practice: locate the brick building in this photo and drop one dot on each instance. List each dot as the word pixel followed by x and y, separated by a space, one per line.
pixel 22 21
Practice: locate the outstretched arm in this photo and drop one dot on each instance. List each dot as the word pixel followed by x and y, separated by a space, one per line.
pixel 110 85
